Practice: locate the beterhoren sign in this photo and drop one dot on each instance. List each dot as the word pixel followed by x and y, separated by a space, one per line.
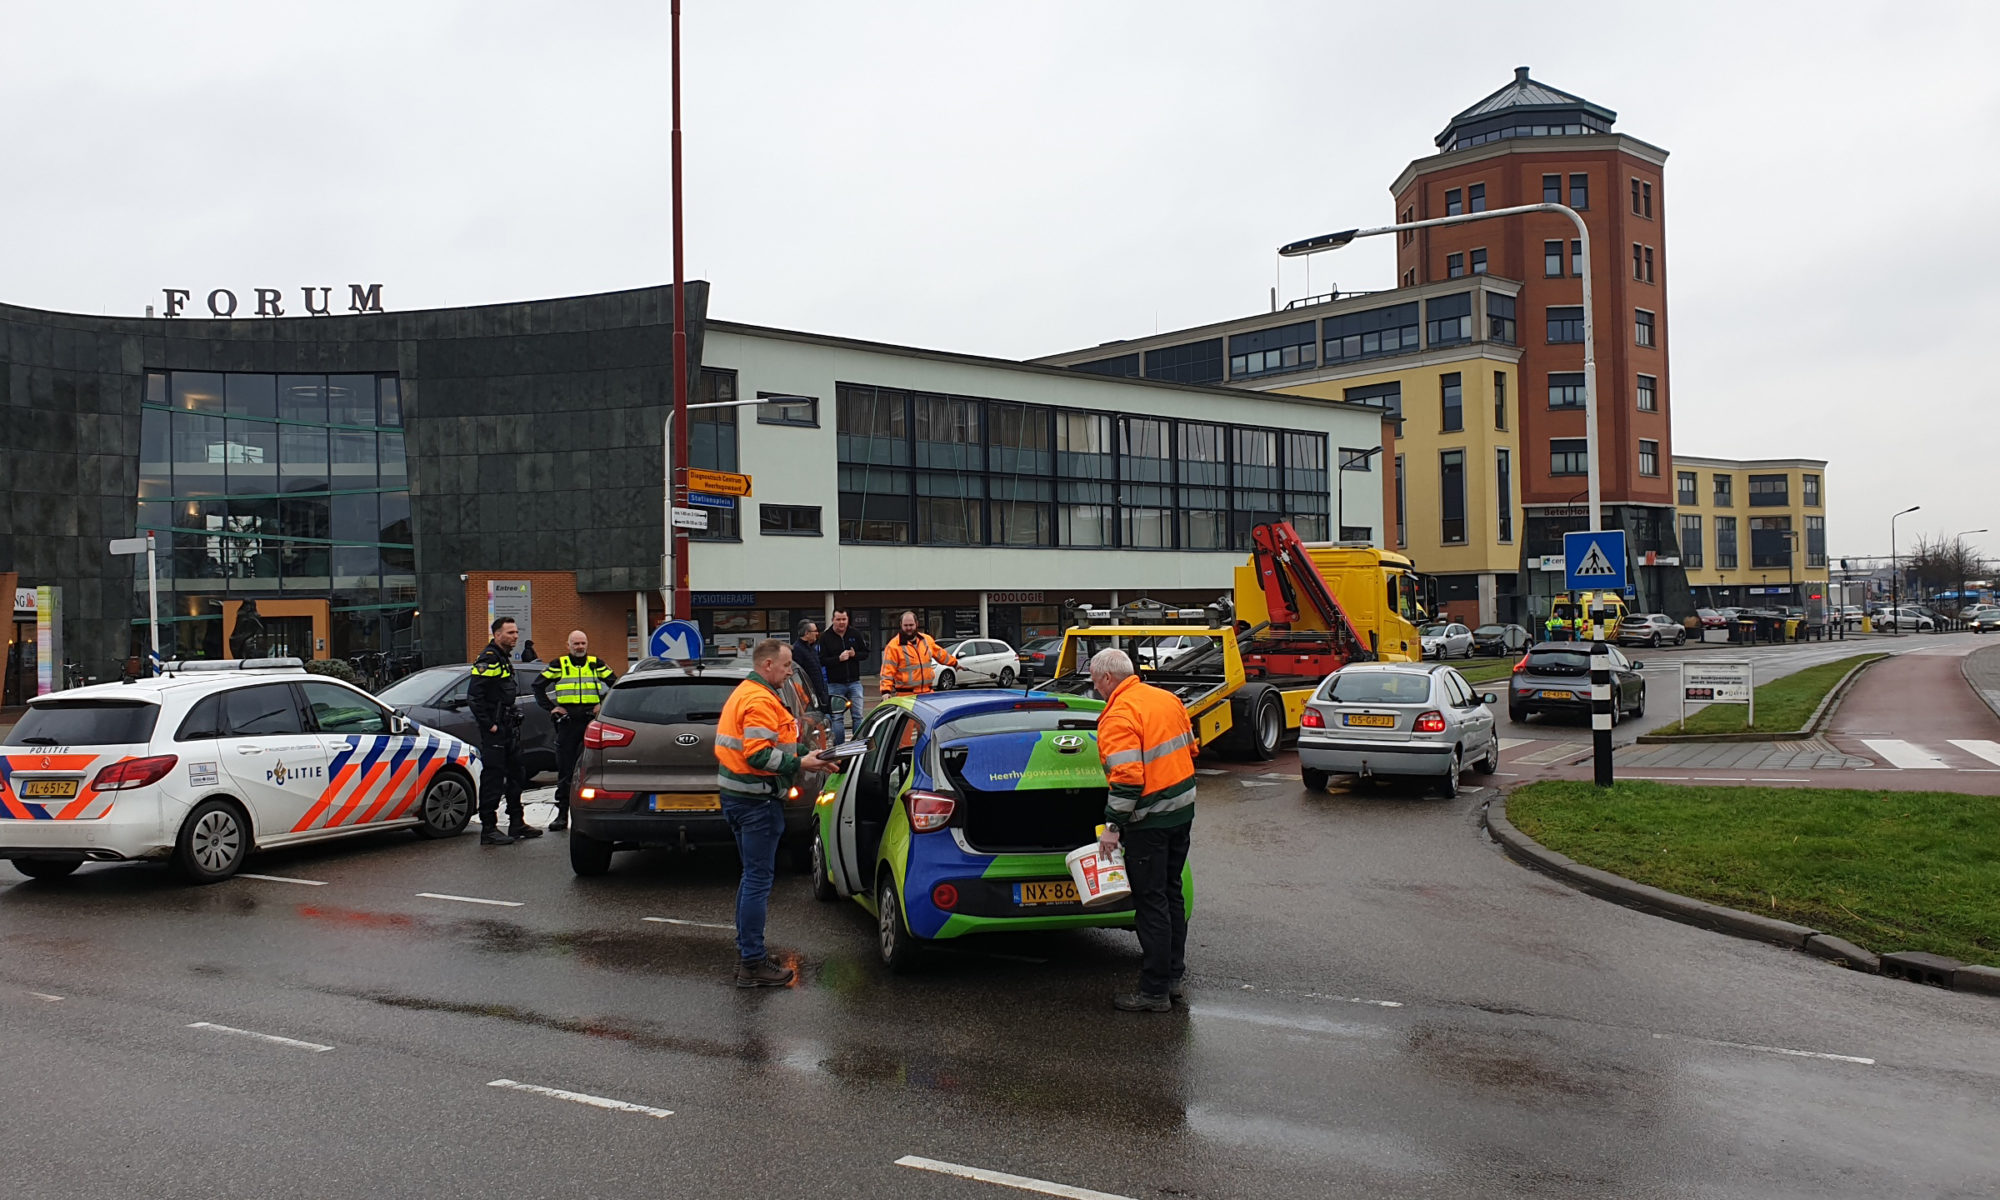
pixel 362 298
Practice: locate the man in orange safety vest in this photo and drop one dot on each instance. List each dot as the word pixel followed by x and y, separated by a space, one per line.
pixel 907 659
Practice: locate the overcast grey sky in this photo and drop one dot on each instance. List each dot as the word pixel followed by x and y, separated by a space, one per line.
pixel 1021 178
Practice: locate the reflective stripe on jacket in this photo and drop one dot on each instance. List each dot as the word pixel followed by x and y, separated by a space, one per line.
pixel 906 666
pixel 1147 746
pixel 491 692
pixel 756 743
pixel 577 684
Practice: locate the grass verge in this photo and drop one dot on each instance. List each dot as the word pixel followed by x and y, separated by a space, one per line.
pixel 1782 705
pixel 1487 670
pixel 1888 870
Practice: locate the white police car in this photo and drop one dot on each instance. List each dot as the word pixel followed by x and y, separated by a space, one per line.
pixel 211 760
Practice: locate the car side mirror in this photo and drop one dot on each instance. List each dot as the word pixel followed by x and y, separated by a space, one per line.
pixel 1489 698
pixel 1637 665
pixel 456 704
pixel 400 724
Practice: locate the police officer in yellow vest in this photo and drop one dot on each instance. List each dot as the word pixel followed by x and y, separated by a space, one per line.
pixel 579 680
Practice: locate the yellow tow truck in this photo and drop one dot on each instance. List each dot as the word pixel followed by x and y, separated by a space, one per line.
pixel 1246 664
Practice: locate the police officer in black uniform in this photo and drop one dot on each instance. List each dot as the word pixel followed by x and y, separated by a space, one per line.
pixel 580 680
pixel 492 696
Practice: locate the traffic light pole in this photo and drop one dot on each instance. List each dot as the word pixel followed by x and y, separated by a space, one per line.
pixel 676 587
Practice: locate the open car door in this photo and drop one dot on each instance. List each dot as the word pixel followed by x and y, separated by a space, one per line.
pixel 861 789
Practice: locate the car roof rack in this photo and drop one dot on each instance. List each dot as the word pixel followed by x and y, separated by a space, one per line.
pixel 190 666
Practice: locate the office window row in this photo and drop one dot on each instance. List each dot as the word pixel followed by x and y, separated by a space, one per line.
pixel 1471 200
pixel 1691 541
pixel 1552 257
pixel 1642 198
pixel 1642 327
pixel 927 469
pixel 1507 125
pixel 1448 319
pixel 1649 457
pixel 712 446
pixel 1771 541
pixel 1455 264
pixel 1386 396
pixel 1687 489
pixel 1286 348
pixel 1770 491
pixel 1579 190
pixel 1725 543
pixel 1642 263
pixel 1500 318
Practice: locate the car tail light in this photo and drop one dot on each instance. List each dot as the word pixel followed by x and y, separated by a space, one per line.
pixel 133 773
pixel 1430 722
pixel 1310 719
pixel 601 734
pixel 1522 665
pixel 597 793
pixel 929 811
pixel 945 896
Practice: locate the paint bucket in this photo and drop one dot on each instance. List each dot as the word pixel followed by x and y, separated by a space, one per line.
pixel 1100 878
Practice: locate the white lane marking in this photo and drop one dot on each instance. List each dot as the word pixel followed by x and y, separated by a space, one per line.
pixel 1505 775
pixel 272 1038
pixel 1846 1058
pixel 1719 778
pixel 45 996
pixel 1904 756
pixel 1210 771
pixel 581 1098
pixel 281 879
pixel 1779 779
pixel 470 899
pixel 1274 1021
pixel 1277 775
pixel 678 921
pixel 1017 1182
pixel 1510 743
pixel 1990 751
pixel 1254 783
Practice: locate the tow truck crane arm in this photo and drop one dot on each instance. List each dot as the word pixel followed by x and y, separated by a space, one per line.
pixel 1286 573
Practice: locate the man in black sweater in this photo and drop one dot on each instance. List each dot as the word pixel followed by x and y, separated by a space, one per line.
pixel 842 649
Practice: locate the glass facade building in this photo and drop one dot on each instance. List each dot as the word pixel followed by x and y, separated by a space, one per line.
pixel 277 499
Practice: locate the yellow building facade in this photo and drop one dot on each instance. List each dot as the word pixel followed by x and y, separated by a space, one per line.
pixel 1752 532
pixel 1456 464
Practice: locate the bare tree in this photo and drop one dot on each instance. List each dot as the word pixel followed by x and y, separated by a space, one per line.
pixel 1942 564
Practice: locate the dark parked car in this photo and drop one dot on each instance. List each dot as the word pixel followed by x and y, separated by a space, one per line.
pixel 1555 678
pixel 1038 657
pixel 1498 640
pixel 436 699
pixel 648 773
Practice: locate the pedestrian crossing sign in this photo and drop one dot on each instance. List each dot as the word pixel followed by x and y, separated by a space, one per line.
pixel 1594 561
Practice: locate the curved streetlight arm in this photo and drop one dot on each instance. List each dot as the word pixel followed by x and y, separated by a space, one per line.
pixel 1334 241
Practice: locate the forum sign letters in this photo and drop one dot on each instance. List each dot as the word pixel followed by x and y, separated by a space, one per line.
pixel 361 298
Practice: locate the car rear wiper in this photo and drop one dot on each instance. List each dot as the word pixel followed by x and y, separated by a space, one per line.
pixel 38 741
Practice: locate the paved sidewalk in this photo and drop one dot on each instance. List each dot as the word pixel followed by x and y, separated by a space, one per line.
pixel 1813 755
pixel 1982 671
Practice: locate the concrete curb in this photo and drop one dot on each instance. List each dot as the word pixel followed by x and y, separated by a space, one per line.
pixel 1989 699
pixel 1531 853
pixel 1820 716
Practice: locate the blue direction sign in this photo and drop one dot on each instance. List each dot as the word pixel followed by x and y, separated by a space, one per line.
pixel 700 500
pixel 1594 561
pixel 678 641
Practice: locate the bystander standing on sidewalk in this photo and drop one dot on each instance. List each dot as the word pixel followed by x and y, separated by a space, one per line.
pixel 842 649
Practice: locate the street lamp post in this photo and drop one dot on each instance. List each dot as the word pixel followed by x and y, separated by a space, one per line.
pixel 673 576
pixel 1340 488
pixel 1959 547
pixel 1334 241
pixel 1896 573
pixel 1600 654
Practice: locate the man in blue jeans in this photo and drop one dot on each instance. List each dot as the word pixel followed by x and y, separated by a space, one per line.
pixel 756 759
pixel 841 651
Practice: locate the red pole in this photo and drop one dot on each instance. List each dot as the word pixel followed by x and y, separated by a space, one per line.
pixel 682 608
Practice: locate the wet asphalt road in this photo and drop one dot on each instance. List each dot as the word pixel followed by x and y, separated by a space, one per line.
pixel 1382 1005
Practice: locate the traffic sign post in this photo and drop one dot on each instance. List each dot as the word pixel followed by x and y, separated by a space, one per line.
pixel 1594 561
pixel 722 502
pixel 689 518
pixel 718 483
pixel 678 641
pixel 144 545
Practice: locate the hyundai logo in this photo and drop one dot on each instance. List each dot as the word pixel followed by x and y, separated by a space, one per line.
pixel 1068 743
pixel 687 739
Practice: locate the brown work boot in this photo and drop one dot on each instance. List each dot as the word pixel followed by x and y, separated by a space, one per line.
pixel 762 972
pixel 1141 1002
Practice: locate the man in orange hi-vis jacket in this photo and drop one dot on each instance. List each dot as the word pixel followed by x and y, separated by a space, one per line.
pixel 1147 746
pixel 907 659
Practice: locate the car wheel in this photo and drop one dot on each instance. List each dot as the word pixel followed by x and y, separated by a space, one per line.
pixel 1315 779
pixel 1268 723
pixel 822 871
pixel 446 808
pixel 1448 787
pixel 214 841
pixel 1654 641
pixel 944 681
pixel 893 938
pixel 1006 678
pixel 1517 715
pixel 47 868
pixel 588 856
pixel 1639 709
pixel 1681 639
pixel 1491 763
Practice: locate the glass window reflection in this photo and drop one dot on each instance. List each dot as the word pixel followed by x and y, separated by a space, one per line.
pixel 350 399
pixel 253 395
pixel 198 391
pixel 302 398
pixel 250 456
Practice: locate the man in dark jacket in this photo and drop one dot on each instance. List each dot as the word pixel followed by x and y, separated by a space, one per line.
pixel 841 651
pixel 806 654
pixel 492 694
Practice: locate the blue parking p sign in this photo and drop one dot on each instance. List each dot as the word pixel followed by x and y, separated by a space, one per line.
pixel 1594 561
